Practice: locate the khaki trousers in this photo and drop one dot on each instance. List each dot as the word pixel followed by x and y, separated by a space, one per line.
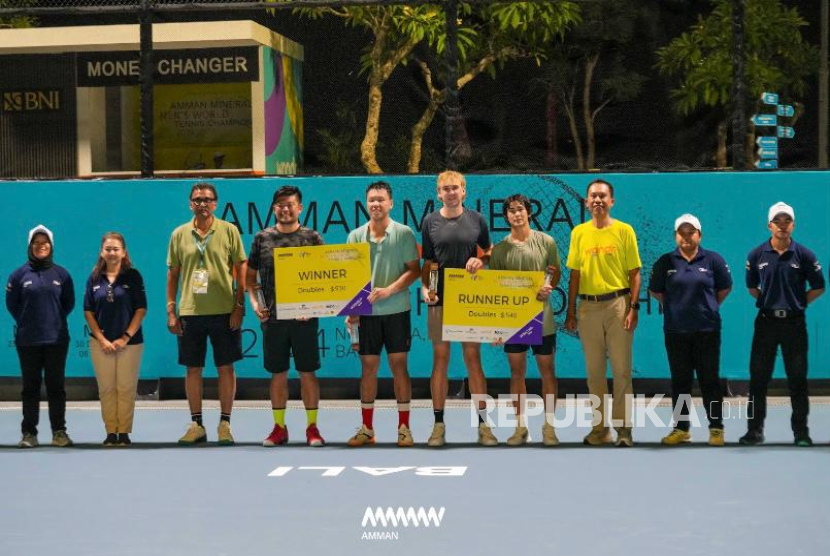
pixel 117 376
pixel 605 339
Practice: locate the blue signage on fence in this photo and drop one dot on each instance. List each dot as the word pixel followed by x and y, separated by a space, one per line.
pixel 785 111
pixel 765 119
pixel 767 141
pixel 769 98
pixel 768 164
pixel 786 132
pixel 768 153
pixel 147 211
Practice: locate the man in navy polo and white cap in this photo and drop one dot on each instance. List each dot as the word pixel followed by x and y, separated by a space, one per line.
pixel 777 274
pixel 691 283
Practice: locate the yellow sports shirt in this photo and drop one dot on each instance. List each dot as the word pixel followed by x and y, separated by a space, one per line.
pixel 603 257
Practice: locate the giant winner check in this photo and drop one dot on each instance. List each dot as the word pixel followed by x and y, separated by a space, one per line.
pixel 492 306
pixel 322 281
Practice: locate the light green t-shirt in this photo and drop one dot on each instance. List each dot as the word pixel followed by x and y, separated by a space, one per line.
pixel 536 253
pixel 223 249
pixel 603 256
pixel 388 258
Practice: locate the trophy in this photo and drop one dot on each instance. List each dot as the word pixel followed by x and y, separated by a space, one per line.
pixel 433 281
pixel 549 275
pixel 354 334
pixel 260 299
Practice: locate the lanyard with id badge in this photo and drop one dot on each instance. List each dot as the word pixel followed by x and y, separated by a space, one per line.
pixel 199 281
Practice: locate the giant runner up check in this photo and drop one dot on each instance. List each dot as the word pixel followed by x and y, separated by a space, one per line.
pixel 322 281
pixel 492 306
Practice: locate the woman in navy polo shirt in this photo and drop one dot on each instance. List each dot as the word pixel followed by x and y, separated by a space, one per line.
pixel 114 306
pixel 691 283
pixel 39 295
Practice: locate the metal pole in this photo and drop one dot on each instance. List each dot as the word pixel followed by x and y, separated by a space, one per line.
pixel 452 108
pixel 146 86
pixel 823 89
pixel 738 87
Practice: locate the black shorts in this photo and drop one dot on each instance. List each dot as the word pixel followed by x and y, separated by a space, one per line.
pixel 547 347
pixel 283 338
pixel 196 329
pixel 392 331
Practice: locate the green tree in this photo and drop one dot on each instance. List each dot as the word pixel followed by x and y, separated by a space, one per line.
pixel 18 21
pixel 395 31
pixel 488 37
pixel 777 59
pixel 589 70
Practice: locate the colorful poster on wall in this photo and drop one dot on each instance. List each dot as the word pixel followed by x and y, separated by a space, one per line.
pixel 203 126
pixel 283 113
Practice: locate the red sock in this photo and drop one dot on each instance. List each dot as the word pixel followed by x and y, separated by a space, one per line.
pixel 403 418
pixel 403 414
pixel 368 410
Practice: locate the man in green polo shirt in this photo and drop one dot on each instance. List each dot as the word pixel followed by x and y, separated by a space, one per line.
pixel 530 250
pixel 395 266
pixel 206 255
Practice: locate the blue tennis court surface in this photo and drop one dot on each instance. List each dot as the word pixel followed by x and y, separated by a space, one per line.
pixel 158 499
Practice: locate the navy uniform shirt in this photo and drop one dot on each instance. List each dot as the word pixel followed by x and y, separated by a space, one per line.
pixel 689 289
pixel 39 301
pixel 114 316
pixel 783 278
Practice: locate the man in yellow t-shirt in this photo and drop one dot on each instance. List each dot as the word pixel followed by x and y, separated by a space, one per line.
pixel 605 273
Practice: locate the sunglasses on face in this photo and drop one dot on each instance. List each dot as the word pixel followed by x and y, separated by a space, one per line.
pixel 202 200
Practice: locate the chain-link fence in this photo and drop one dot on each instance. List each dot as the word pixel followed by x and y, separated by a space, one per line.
pixel 545 86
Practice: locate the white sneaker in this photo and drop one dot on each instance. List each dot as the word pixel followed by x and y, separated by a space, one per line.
pixel 486 436
pixel 549 435
pixel 28 441
pixel 518 438
pixel 437 438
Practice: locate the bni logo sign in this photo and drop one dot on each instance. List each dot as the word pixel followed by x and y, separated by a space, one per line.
pixel 32 101
pixel 385 523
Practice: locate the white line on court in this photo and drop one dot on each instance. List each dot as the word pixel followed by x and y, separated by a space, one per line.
pixel 349 405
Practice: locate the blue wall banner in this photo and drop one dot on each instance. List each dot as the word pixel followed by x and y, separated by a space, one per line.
pixel 732 208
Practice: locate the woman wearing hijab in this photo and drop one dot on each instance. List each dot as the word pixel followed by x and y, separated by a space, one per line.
pixel 114 306
pixel 39 295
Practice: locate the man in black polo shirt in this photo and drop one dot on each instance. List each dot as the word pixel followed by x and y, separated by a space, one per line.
pixel 777 274
pixel 691 283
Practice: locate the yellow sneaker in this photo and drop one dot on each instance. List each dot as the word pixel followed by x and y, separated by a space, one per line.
pixel 518 438
pixel 405 437
pixel 675 437
pixel 195 434
pixel 716 437
pixel 225 438
pixel 363 437
pixel 549 435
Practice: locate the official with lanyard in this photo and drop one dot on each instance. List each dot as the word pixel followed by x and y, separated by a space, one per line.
pixel 206 257
pixel 777 274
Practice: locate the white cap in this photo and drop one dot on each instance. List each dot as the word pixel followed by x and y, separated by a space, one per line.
pixel 687 219
pixel 41 229
pixel 780 208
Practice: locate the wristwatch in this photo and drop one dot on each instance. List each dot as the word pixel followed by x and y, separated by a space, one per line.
pixel 635 306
